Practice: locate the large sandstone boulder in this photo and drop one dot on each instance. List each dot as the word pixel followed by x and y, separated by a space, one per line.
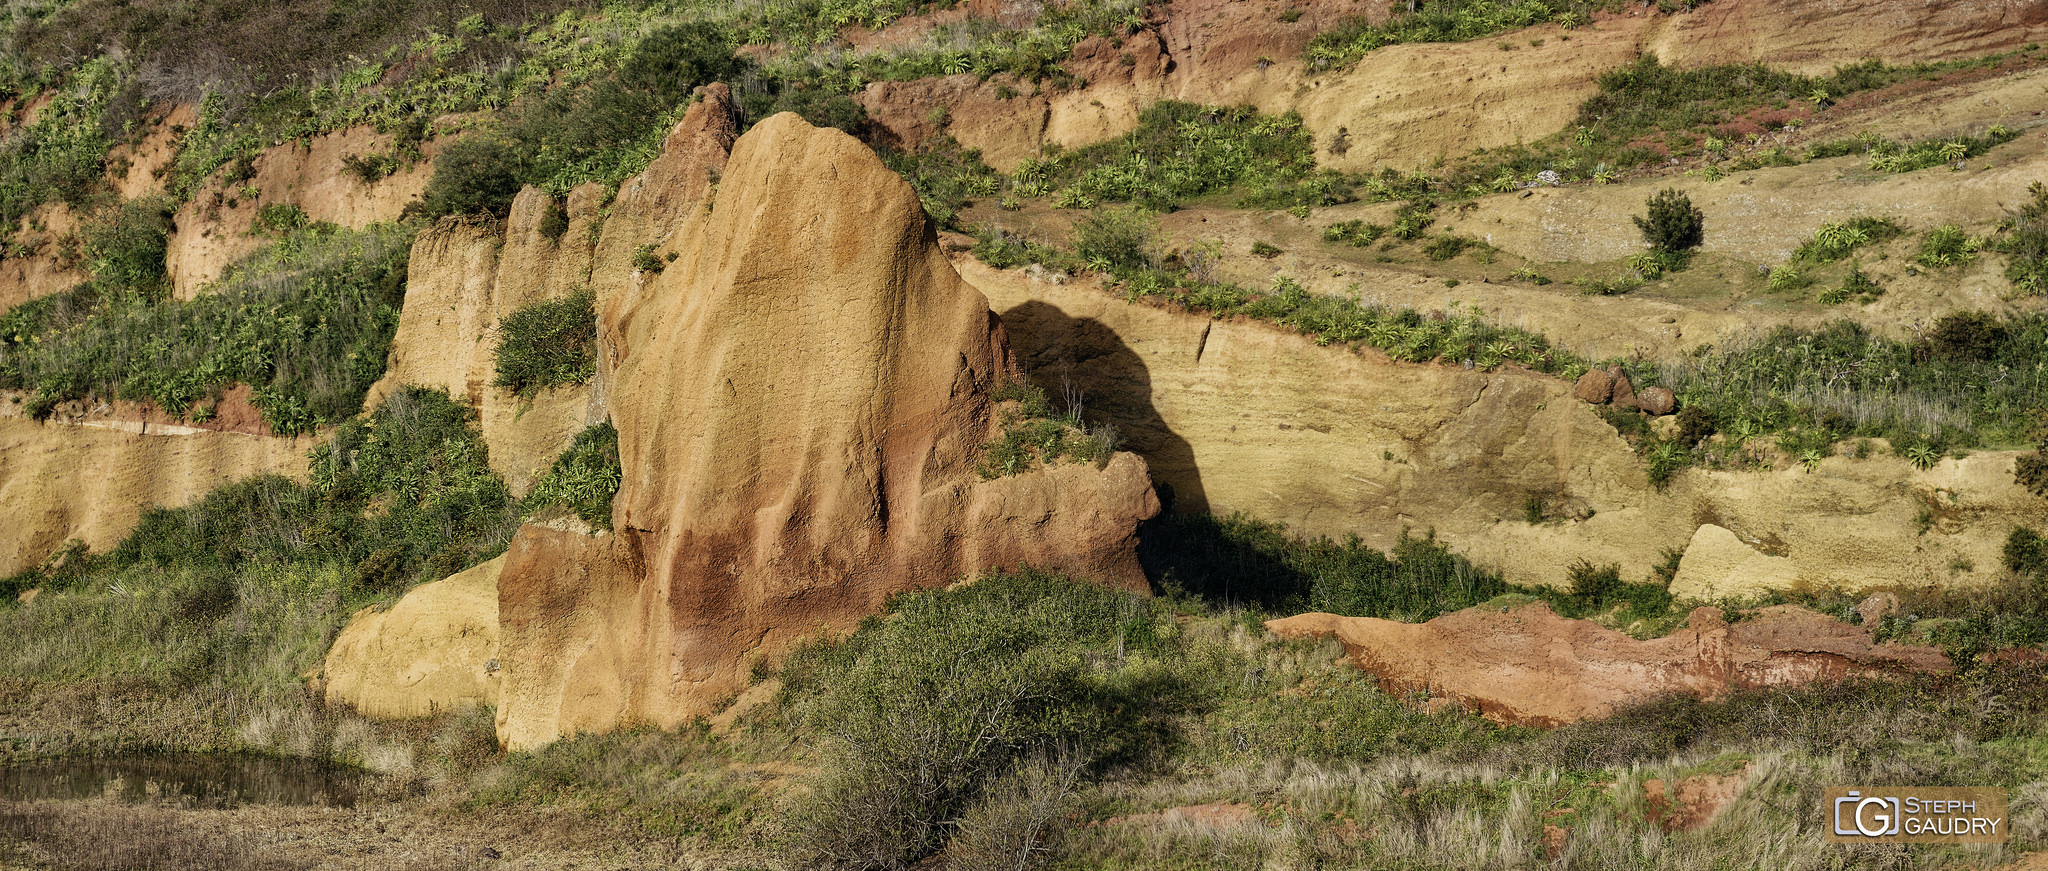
pixel 1528 665
pixel 801 395
pixel 436 649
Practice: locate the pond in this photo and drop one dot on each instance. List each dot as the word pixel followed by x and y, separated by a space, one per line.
pixel 195 779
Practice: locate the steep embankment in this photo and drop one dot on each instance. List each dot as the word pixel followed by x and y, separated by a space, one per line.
pixel 1241 416
pixel 1407 105
pixel 60 482
pixel 801 395
pixel 213 228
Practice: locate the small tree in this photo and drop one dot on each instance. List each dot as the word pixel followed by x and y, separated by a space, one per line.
pixel 1674 225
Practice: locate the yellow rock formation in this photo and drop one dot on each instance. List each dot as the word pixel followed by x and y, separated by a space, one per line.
pixel 801 395
pixel 435 650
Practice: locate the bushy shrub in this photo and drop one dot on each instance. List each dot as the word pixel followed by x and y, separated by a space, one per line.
pixel 279 218
pixel 2026 552
pixel 125 247
pixel 1971 337
pixel 476 175
pixel 1945 246
pixel 1979 388
pixel 418 458
pixel 1836 240
pixel 1358 233
pixel 1114 239
pixel 945 175
pixel 550 343
pixel 922 714
pixel 1673 225
pixel 2026 244
pixel 583 479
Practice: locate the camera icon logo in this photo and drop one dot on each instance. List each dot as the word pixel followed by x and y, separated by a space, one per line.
pixel 1868 816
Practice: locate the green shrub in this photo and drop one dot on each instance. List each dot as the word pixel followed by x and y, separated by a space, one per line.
pixel 1182 150
pixel 583 479
pixel 645 260
pixel 279 218
pixel 548 344
pixel 1889 156
pixel 1788 278
pixel 1114 240
pixel 1413 219
pixel 2026 552
pixel 1673 224
pixel 1032 435
pixel 1971 337
pixel 1977 387
pixel 2026 244
pixel 923 713
pixel 62 156
pixel 2031 470
pixel 1836 240
pixel 1358 233
pixel 476 175
pixel 1264 249
pixel 554 222
pixel 1945 246
pixel 419 459
pixel 125 248
pixel 1446 246
pixel 945 175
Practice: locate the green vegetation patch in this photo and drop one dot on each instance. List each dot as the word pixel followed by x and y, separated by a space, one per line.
pixel 1647 112
pixel 1891 156
pixel 1033 435
pixel 1973 380
pixel 1183 150
pixel 1440 21
pixel 244 588
pixel 1836 240
pixel 551 343
pixel 2024 240
pixel 583 479
pixel 1403 333
pixel 307 323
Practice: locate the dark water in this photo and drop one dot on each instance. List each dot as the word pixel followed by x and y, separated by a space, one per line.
pixel 197 779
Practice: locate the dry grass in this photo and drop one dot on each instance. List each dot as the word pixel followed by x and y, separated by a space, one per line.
pixel 96 836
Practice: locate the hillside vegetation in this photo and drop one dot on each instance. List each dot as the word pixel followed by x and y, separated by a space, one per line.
pixel 1022 718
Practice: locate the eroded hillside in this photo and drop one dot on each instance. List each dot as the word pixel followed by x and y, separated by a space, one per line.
pixel 490 391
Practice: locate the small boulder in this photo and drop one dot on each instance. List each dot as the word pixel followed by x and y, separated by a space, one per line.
pixel 1623 393
pixel 1657 401
pixel 1596 387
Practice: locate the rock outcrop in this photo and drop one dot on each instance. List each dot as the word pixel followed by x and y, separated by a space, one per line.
pixel 212 228
pixel 1407 105
pixel 1242 416
pixel 1529 666
pixel 463 279
pixel 801 395
pixel 435 650
pixel 59 482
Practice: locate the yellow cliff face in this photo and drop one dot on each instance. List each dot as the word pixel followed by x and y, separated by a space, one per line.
pixel 60 481
pixel 1241 416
